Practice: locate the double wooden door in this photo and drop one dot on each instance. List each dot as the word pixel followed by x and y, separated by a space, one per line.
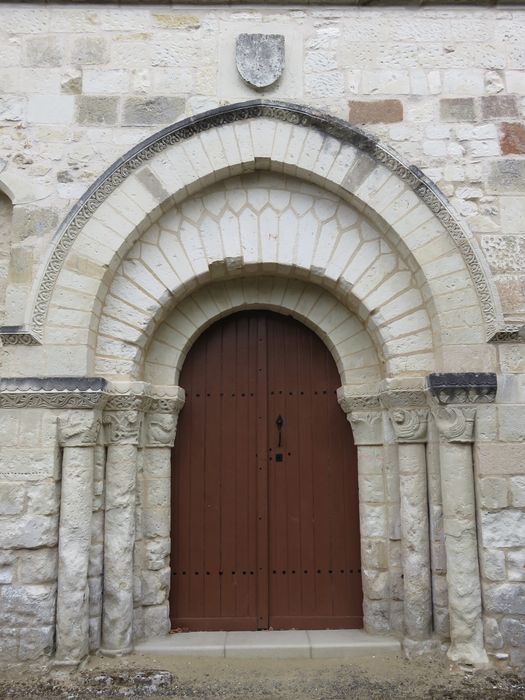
pixel 265 525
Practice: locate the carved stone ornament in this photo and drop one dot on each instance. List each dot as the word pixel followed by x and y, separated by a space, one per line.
pixel 290 114
pixel 367 427
pixel 350 400
pixel 455 423
pixel 123 427
pixel 166 399
pixel 52 392
pixel 161 429
pixel 79 429
pixel 463 387
pixel 260 58
pixel 410 425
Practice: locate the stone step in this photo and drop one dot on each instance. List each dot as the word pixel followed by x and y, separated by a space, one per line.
pixel 273 644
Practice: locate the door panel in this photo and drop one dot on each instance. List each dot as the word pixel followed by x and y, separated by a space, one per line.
pixel 263 535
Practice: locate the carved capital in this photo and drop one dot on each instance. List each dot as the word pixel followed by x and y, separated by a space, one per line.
pixel 455 423
pixel 122 427
pixel 410 425
pixel 166 399
pixel 367 427
pixel 161 429
pixel 353 398
pixel 79 429
pixel 463 387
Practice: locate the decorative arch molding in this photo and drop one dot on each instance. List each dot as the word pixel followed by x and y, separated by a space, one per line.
pixel 301 141
pixel 254 227
pixel 342 332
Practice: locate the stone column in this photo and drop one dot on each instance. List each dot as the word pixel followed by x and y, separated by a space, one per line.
pixel 123 419
pixel 365 416
pixel 410 428
pixel 78 436
pixel 161 424
pixel 455 421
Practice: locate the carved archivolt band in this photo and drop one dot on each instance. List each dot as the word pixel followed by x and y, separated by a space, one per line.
pixel 288 113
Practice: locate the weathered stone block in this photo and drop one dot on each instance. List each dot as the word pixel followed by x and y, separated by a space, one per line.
pixel 32 221
pixel 507 176
pixel 97 110
pixel 155 586
pixel 498 106
pixel 493 492
pixel 504 528
pixel 493 638
pixel 90 50
pixel 35 642
pixel 6 574
pixel 37 566
pixel 51 109
pixel 44 51
pixel 457 109
pixel 375 112
pixel 12 108
pixel 513 632
pixel 512 138
pixel 27 605
pixel 516 564
pixel 156 620
pixel 493 565
pixel 504 253
pixel 44 498
pixel 507 598
pixel 142 111
pixel 517 491
pixel 29 531
pixel 8 643
pixel 11 498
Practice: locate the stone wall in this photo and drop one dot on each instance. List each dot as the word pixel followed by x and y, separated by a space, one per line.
pixel 445 87
pixel 79 86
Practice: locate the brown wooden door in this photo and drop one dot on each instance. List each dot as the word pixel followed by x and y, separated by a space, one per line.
pixel 265 524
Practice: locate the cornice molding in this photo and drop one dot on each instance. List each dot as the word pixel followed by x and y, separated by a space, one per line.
pixel 275 3
pixel 463 387
pixel 52 392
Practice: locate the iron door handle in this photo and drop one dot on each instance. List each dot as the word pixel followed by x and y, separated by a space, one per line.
pixel 279 423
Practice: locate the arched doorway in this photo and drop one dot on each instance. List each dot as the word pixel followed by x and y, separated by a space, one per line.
pixel 265 522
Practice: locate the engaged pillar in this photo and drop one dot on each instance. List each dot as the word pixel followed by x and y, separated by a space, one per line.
pixel 161 425
pixel 78 432
pixel 410 428
pixel 365 416
pixel 123 420
pixel 455 421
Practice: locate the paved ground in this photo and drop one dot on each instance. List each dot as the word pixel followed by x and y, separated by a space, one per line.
pixel 367 678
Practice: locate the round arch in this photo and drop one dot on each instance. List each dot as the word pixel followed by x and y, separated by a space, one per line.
pixel 128 200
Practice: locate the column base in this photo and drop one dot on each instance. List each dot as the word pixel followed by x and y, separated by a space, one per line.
pixel 115 652
pixel 468 656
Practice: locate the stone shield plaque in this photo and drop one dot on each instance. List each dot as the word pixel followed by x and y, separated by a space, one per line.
pixel 260 58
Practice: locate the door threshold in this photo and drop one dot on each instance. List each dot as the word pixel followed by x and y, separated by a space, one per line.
pixel 320 644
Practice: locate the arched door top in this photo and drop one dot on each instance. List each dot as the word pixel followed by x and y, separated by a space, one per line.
pixel 189 155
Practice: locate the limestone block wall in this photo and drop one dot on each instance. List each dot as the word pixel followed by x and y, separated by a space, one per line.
pixel 29 511
pixel 445 87
pixel 500 474
pixel 81 85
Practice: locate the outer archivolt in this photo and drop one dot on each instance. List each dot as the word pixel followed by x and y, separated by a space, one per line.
pixel 292 114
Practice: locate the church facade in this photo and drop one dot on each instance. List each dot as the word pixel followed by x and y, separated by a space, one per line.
pixel 262 363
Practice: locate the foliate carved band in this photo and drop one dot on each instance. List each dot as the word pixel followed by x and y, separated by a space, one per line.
pixel 79 429
pixel 455 423
pixel 463 387
pixel 350 400
pixel 410 425
pixel 52 392
pixel 122 427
